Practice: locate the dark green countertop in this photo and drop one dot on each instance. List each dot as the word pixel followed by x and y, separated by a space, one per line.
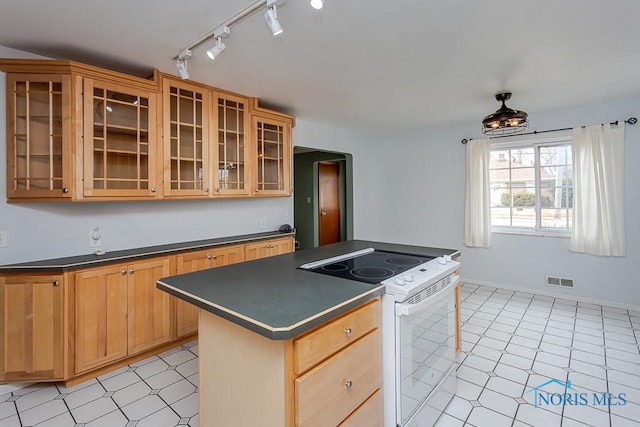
pixel 78 262
pixel 274 298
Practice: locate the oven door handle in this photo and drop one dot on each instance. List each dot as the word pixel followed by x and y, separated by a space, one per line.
pixel 405 309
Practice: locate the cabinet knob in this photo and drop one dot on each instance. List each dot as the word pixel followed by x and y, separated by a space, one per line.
pixel 209 257
pixel 215 257
pixel 131 271
pixel 217 190
pixel 206 190
pixel 56 283
pixel 65 190
pixel 348 384
pixel 154 189
pixel 123 272
pixel 255 191
pixel 348 332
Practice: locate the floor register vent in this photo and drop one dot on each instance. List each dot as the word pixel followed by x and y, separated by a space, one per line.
pixel 559 281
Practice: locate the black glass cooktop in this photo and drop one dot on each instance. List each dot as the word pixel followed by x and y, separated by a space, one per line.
pixel 372 267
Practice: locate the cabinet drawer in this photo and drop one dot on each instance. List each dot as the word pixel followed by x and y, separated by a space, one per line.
pixel 316 346
pixel 328 393
pixel 369 414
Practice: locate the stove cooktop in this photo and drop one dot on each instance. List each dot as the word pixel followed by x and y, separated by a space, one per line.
pixel 369 266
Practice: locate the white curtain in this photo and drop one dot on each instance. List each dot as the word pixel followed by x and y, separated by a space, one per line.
pixel 598 199
pixel 477 216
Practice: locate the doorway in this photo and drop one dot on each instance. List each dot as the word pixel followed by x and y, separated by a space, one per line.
pixel 323 182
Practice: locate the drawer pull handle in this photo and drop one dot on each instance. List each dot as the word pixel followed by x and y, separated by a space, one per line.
pixel 131 271
pixel 56 283
pixel 348 384
pixel 348 332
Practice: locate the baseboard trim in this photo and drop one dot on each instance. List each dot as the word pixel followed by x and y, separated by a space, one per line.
pixel 552 294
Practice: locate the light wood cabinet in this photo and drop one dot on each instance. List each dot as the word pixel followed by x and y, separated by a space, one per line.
pixel 34 326
pixel 39 136
pixel 187 314
pixel 120 312
pixel 186 122
pixel 253 380
pixel 272 155
pixel 100 316
pixel 268 248
pixel 120 141
pixel 231 125
pixel 77 132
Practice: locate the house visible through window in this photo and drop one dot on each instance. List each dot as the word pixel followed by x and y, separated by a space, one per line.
pixel 532 187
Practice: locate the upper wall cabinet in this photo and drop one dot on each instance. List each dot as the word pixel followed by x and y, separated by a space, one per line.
pixel 231 128
pixel 186 138
pixel 271 134
pixel 81 133
pixel 39 136
pixel 120 141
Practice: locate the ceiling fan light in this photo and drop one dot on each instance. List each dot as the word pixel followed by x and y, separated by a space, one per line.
pixel 505 121
pixel 317 4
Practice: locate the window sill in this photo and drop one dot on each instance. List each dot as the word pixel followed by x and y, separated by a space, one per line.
pixel 533 233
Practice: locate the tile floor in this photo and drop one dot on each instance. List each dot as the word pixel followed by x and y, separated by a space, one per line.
pixel 512 342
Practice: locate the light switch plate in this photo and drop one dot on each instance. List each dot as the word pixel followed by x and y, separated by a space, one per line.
pixel 3 239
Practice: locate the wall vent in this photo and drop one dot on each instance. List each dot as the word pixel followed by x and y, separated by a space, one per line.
pixel 560 281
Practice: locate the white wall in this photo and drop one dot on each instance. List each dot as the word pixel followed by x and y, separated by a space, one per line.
pixel 419 199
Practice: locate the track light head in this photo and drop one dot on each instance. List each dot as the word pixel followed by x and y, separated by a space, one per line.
pixel 181 63
pixel 181 66
pixel 317 4
pixel 271 16
pixel 219 33
pixel 217 48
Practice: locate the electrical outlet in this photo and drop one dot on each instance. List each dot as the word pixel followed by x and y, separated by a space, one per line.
pixel 3 239
pixel 95 237
pixel 286 216
pixel 263 222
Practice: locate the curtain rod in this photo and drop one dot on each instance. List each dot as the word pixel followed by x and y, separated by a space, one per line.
pixel 630 120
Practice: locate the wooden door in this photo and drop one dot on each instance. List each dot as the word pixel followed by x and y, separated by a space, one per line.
pixel 101 316
pixel 149 309
pixel 328 203
pixel 32 327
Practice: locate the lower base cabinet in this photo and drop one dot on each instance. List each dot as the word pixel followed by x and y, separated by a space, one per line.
pixel 34 321
pixel 69 326
pixel 252 380
pixel 120 312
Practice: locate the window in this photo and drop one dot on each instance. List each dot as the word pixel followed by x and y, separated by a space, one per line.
pixel 532 187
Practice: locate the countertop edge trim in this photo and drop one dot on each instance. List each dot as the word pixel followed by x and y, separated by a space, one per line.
pixel 264 326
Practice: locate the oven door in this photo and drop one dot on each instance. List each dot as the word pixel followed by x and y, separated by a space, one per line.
pixel 425 347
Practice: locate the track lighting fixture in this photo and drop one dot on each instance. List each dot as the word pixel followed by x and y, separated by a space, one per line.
pixel 219 46
pixel 181 63
pixel 271 16
pixel 317 4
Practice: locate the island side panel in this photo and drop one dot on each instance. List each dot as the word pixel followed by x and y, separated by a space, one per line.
pixel 243 376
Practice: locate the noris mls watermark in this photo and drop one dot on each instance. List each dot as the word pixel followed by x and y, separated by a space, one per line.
pixel 544 396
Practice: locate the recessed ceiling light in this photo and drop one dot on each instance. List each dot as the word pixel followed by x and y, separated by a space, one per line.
pixel 317 4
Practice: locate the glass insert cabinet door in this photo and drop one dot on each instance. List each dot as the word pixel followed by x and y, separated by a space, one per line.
pixel 119 140
pixel 273 153
pixel 186 139
pixel 39 136
pixel 231 125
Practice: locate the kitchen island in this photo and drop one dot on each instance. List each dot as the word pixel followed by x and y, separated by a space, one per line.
pixel 281 346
